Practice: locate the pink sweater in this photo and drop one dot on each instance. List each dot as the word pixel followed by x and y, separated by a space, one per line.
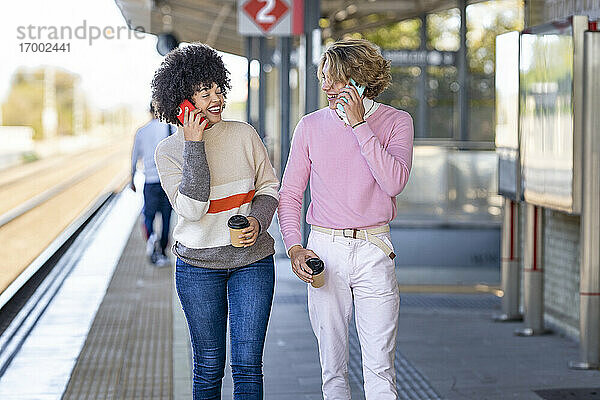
pixel 355 174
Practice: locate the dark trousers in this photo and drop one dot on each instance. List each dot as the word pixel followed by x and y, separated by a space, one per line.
pixel 209 298
pixel 156 201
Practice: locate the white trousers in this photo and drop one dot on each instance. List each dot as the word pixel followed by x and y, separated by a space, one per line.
pixel 356 272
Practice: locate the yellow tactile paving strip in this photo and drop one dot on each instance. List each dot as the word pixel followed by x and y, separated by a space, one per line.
pixel 456 289
pixel 24 238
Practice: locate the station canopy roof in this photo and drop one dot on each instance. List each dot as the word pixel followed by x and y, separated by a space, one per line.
pixel 214 22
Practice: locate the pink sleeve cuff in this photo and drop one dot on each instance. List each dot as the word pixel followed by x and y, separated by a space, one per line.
pixel 363 133
pixel 288 248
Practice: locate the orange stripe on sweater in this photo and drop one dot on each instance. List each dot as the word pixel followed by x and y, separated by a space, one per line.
pixel 231 202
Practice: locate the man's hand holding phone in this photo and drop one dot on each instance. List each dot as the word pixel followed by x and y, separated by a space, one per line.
pixel 350 100
pixel 193 121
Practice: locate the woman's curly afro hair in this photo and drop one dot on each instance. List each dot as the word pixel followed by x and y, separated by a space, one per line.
pixel 183 72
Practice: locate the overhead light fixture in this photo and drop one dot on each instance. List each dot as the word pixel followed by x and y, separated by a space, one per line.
pixel 323 23
pixel 166 42
pixel 341 15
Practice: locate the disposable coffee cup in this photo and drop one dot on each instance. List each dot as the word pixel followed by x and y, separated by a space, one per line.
pixel 317 271
pixel 236 224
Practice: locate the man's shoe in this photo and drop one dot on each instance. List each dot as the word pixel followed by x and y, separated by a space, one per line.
pixel 162 261
pixel 151 245
pixel 155 257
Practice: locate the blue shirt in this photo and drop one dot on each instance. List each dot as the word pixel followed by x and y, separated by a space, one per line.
pixel 144 145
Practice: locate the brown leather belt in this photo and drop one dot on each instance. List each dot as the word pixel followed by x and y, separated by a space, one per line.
pixel 364 234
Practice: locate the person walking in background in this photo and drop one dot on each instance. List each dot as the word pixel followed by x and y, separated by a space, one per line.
pixel 214 172
pixel 155 199
pixel 358 158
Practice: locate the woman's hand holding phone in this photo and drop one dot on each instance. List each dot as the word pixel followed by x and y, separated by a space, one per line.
pixel 194 124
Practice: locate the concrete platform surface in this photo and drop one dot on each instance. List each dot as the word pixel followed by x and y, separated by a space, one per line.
pixel 447 345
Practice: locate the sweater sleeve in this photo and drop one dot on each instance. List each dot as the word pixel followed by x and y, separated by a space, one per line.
pixel 391 164
pixel 295 179
pixel 263 209
pixel 135 153
pixel 266 185
pixel 187 187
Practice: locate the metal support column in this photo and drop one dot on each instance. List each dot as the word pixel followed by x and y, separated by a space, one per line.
pixel 589 292
pixel 533 273
pixel 263 57
pixel 312 34
pixel 248 47
pixel 285 44
pixel 422 120
pixel 463 79
pixel 511 276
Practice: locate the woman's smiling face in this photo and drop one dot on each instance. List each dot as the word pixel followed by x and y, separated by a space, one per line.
pixel 210 100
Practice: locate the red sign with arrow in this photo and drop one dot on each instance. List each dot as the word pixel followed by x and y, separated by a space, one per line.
pixel 271 17
pixel 266 13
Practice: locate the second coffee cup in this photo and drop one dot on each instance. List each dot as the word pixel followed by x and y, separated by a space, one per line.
pixel 317 271
pixel 236 224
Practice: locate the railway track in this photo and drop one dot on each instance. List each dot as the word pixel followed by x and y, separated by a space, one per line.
pixel 13 175
pixel 39 206
pixel 66 200
pixel 53 191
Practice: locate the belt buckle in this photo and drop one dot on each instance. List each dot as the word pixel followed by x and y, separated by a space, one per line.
pixel 351 235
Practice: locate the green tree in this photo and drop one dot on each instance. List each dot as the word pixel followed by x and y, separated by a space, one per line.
pixel 25 101
pixel 484 22
pixel 399 35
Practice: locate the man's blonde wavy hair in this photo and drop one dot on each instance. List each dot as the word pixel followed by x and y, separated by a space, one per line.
pixel 360 60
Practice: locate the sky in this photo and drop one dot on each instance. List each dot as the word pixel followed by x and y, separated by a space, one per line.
pixel 113 72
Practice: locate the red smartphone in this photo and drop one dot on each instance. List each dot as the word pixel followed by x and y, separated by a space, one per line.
pixel 181 110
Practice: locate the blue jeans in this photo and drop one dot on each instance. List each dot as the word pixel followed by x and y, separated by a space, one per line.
pixel 156 201
pixel 208 296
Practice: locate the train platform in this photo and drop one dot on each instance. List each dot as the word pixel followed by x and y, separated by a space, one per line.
pixel 113 329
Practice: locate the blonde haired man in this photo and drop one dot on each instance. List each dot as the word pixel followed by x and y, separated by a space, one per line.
pixel 357 162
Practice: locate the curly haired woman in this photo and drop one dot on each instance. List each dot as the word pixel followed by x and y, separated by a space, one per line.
pixel 212 169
